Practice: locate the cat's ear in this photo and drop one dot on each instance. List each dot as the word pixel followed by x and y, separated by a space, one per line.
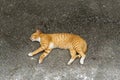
pixel 38 31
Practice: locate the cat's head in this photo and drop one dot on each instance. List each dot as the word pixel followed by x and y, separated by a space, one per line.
pixel 36 36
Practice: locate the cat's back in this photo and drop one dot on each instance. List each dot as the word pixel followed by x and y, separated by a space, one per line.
pixel 63 36
pixel 63 40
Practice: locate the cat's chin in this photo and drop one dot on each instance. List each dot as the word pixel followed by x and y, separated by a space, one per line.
pixel 34 40
pixel 38 40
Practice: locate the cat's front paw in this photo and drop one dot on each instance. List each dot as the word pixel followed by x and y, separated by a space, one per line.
pixel 30 54
pixel 40 61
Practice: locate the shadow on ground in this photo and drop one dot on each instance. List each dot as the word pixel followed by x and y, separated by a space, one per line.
pixel 96 21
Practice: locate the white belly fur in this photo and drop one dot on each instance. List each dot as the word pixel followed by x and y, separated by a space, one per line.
pixel 51 45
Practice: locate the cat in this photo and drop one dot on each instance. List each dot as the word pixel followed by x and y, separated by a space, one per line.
pixel 73 42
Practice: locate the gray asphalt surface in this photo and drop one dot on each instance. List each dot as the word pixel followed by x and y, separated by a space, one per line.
pixel 97 21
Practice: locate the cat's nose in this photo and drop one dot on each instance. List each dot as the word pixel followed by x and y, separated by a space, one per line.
pixel 30 38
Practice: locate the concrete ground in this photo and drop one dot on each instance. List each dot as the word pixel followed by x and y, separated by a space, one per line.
pixel 97 21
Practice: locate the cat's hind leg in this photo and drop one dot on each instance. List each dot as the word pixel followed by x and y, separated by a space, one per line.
pixel 82 56
pixel 73 56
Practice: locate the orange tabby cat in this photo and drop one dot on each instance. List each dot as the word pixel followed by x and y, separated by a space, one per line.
pixel 59 40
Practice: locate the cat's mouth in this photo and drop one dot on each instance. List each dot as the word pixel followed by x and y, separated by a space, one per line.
pixel 32 39
pixel 38 39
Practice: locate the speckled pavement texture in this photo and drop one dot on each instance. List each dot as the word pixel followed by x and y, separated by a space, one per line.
pixel 97 21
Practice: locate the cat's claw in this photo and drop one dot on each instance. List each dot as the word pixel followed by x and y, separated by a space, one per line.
pixel 40 61
pixel 70 61
pixel 30 54
pixel 82 60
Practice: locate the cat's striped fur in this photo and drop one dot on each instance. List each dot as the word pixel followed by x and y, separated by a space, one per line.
pixel 74 43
